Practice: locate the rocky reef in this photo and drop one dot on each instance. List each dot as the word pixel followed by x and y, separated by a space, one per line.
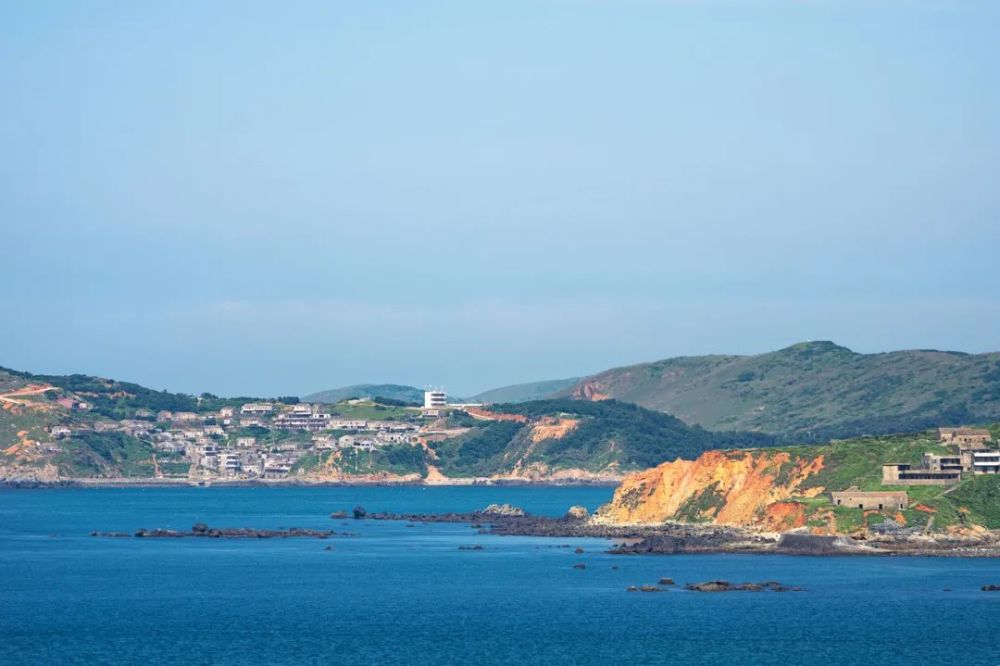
pixel 204 531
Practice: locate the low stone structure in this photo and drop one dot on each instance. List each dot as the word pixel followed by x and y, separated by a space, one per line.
pixel 878 500
pixel 967 436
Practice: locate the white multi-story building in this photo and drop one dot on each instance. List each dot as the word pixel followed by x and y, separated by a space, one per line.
pixel 228 462
pixel 435 399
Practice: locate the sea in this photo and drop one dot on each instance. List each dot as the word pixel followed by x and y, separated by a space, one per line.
pixel 400 593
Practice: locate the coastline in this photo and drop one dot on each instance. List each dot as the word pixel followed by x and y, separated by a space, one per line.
pixel 294 483
pixel 687 538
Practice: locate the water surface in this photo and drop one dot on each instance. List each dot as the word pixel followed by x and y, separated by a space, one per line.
pixel 407 594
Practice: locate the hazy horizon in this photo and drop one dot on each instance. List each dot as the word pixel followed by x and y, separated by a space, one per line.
pixel 254 199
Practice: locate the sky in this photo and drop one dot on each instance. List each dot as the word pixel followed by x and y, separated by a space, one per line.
pixel 274 198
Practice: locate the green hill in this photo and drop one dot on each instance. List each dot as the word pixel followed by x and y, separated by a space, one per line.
pixel 812 391
pixel 598 437
pixel 399 392
pixel 525 392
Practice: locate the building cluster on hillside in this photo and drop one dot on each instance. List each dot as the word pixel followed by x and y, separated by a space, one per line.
pixel 972 454
pixel 256 439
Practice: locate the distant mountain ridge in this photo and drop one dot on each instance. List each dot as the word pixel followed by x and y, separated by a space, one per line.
pixel 812 391
pixel 394 391
pixel 525 392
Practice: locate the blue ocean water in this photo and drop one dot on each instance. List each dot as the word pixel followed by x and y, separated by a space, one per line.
pixel 401 595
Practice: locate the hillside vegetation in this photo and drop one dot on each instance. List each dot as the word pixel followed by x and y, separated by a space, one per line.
pixel 525 392
pixel 789 487
pixel 402 393
pixel 604 437
pixel 813 391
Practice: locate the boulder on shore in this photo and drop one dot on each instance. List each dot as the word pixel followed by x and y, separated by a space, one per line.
pixel 577 513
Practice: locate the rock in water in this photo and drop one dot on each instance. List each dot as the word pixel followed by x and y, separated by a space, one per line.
pixel 577 513
pixel 359 512
pixel 503 510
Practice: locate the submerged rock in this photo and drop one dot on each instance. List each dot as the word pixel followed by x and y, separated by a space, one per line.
pixel 726 586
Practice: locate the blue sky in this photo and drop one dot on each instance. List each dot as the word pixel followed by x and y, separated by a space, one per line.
pixel 276 198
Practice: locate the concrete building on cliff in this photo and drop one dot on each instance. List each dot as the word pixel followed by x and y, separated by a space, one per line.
pixel 905 474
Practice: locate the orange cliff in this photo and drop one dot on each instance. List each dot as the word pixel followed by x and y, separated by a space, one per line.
pixel 748 488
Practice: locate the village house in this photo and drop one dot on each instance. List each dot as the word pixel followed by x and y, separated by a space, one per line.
pixel 213 430
pixel 228 463
pixel 186 417
pixel 976 437
pixel 246 442
pixel 276 470
pixel 394 438
pixel 878 500
pixel 324 442
pixel 226 413
pixel 302 421
pixel 260 408
pixel 348 424
pixel 972 460
pixel 60 432
pixel 164 416
pixel 248 422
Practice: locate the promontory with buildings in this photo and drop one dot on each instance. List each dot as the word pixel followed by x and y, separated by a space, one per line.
pixel 934 469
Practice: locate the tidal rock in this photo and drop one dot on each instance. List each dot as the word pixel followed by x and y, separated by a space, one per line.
pixel 338 515
pixel 359 512
pixel 579 565
pixel 578 551
pixel 666 581
pixel 503 510
pixel 577 513
pixel 991 588
pixel 710 586
pixel 649 588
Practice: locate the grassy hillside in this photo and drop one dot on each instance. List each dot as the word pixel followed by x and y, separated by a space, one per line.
pixel 784 487
pixel 410 394
pixel 568 434
pixel 812 391
pixel 525 392
pixel 118 400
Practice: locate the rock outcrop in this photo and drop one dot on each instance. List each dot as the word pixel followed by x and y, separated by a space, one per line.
pixel 747 488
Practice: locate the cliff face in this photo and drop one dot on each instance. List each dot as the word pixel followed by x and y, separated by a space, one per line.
pixel 749 488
